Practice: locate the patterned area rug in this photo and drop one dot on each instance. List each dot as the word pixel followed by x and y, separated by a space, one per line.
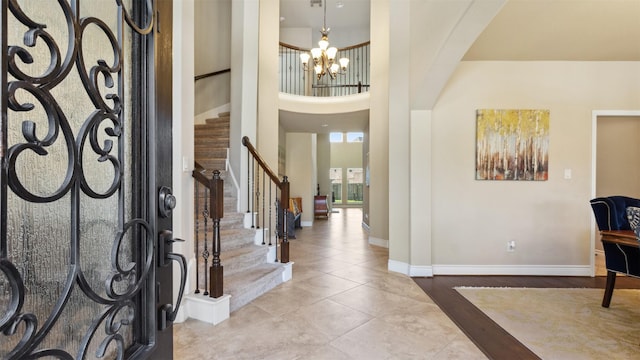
pixel 565 323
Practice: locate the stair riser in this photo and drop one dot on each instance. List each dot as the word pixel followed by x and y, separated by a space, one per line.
pixel 213 133
pixel 208 153
pixel 237 264
pixel 222 125
pixel 244 296
pixel 211 142
pixel 221 119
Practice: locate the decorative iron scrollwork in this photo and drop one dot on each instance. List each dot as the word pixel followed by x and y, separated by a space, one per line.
pixel 99 134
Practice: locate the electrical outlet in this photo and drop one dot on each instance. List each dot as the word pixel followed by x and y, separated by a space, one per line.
pixel 511 246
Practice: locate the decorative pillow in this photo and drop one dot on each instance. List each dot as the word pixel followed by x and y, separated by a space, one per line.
pixel 633 215
pixel 293 207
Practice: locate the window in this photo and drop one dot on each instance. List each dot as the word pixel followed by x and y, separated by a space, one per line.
pixel 335 137
pixel 355 179
pixel 335 175
pixel 355 137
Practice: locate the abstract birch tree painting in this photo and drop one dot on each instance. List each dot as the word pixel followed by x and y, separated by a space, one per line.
pixel 512 144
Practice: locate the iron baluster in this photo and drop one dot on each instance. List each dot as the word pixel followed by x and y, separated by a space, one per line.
pixel 270 216
pixel 253 184
pixel 197 237
pixel 284 245
pixel 248 182
pixel 257 201
pixel 263 195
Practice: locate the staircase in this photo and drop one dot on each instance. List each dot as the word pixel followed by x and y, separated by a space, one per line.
pixel 247 273
pixel 212 142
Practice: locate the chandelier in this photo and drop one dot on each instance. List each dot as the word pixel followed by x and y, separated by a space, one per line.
pixel 324 57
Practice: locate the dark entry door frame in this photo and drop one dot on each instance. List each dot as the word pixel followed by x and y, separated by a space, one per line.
pixel 84 272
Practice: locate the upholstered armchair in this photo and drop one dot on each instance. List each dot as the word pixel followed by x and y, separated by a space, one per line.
pixel 611 214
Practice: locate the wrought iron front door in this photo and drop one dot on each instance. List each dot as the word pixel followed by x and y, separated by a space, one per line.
pixel 84 204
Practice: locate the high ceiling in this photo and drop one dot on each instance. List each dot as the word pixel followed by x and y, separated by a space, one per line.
pixel 575 30
pixel 536 30
pixel 300 13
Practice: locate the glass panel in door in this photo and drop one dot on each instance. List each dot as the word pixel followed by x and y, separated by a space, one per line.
pixel 76 252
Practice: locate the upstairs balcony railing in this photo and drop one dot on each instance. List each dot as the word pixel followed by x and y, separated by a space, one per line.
pixel 297 81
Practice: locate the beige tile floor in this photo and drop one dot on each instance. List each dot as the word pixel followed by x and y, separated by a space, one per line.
pixel 342 303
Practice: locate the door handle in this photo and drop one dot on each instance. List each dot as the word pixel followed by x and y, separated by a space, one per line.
pixel 167 313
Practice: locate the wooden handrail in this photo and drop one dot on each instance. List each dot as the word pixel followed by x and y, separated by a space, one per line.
pixel 200 77
pixel 246 142
pixel 283 186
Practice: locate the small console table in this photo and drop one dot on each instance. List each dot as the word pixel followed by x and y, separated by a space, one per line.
pixel 320 206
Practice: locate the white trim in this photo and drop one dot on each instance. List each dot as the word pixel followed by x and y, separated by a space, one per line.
pixel 398 266
pixel 207 309
pixel 318 105
pixel 410 270
pixel 378 242
pixel 287 274
pixel 522 270
pixel 365 226
pixel 594 139
pixel 421 271
pixel 229 170
pixel 306 223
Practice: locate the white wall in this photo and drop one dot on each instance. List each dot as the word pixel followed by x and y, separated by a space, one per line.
pixel 268 81
pixel 300 37
pixel 550 220
pixel 212 53
pixel 379 125
pixel 324 163
pixel 244 80
pixel 618 164
pixel 301 169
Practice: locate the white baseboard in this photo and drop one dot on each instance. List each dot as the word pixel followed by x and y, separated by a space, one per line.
pixel 410 270
pixel 523 270
pixel 378 242
pixel 421 271
pixel 397 266
pixel 306 223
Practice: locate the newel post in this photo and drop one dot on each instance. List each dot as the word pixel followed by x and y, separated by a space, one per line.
pixel 216 199
pixel 284 200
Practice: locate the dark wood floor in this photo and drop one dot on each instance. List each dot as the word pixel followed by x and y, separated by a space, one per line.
pixel 494 341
